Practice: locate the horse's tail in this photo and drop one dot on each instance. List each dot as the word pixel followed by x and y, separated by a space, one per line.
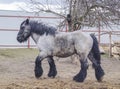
pixel 96 58
pixel 95 49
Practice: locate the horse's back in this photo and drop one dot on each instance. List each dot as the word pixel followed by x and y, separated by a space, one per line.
pixel 78 37
pixel 81 36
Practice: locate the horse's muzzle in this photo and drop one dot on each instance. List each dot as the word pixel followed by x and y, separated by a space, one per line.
pixel 19 39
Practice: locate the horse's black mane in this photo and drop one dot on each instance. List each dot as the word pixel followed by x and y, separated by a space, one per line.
pixel 40 28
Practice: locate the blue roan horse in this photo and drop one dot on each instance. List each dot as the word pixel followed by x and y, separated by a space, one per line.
pixel 51 43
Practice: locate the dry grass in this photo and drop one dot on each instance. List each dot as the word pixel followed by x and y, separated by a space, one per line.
pixel 17 72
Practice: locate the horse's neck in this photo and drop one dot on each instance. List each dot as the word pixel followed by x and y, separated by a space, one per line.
pixel 35 37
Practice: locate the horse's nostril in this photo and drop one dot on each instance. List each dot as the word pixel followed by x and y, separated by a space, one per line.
pixel 18 38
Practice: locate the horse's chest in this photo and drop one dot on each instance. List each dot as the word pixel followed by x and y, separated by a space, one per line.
pixel 63 47
pixel 45 43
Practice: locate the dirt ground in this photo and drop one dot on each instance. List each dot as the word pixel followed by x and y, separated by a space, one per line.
pixel 17 72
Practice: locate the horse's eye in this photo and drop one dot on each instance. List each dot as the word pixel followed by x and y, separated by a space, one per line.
pixel 22 27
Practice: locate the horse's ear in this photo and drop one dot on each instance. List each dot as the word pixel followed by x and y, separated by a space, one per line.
pixel 27 21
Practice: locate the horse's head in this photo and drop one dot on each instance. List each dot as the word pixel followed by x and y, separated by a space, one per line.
pixel 24 32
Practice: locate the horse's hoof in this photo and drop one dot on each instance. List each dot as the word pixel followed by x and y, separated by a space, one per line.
pixel 52 74
pixel 38 75
pixel 38 72
pixel 100 80
pixel 78 79
pixel 99 75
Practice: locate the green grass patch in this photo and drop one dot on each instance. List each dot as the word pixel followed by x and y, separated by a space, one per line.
pixel 21 52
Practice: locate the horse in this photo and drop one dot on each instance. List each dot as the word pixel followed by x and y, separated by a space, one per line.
pixel 51 42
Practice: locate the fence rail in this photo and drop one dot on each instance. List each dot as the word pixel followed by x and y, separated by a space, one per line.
pixel 28 45
pixel 46 17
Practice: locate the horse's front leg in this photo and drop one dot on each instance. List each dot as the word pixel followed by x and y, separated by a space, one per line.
pixel 38 64
pixel 52 70
pixel 38 68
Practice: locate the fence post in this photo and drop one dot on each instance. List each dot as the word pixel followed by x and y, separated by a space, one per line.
pixel 29 43
pixel 99 30
pixel 66 26
pixel 110 44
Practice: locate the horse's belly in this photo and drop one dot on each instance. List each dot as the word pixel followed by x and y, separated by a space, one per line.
pixel 65 52
pixel 64 46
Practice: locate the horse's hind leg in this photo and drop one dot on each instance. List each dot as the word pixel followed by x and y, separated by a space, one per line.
pixel 95 59
pixel 80 77
pixel 52 70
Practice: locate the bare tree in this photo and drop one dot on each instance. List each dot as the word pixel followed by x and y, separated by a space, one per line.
pixel 50 6
pixel 93 12
pixel 80 13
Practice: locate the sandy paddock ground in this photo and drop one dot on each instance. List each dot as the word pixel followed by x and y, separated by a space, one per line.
pixel 17 72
